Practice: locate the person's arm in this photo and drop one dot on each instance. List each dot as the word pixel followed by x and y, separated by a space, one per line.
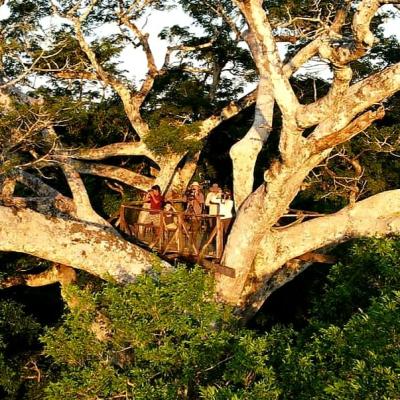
pixel 146 198
pixel 158 199
pixel 216 200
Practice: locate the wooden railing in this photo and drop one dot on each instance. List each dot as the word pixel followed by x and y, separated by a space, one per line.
pixel 197 236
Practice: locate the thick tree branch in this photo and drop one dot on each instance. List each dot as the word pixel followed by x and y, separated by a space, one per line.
pixel 355 127
pixel 261 29
pixel 36 184
pixel 112 150
pixel 77 244
pixel 376 216
pixel 244 153
pixel 51 196
pixel 116 173
pixel 340 57
pixel 379 215
pixel 358 98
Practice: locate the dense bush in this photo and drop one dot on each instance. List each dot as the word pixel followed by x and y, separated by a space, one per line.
pixel 18 336
pixel 160 338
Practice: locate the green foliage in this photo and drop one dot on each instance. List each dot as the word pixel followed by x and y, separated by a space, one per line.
pixel 356 361
pixel 169 137
pixel 18 334
pixel 349 349
pixel 166 339
pixel 369 269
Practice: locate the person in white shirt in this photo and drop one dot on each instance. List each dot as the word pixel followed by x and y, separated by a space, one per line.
pixel 213 208
pixel 225 203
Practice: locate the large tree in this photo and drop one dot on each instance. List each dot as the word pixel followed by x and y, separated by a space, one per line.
pixel 178 105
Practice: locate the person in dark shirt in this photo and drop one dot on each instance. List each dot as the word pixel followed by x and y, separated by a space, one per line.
pixel 195 199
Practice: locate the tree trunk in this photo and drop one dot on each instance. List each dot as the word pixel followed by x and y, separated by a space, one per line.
pixel 254 220
pixel 245 152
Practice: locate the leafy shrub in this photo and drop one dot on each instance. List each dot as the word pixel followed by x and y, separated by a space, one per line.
pixel 162 337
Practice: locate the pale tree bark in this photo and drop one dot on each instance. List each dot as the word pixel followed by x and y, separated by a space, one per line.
pixel 123 175
pixel 85 246
pixel 182 176
pixel 245 152
pixel 337 117
pixel 376 216
pixel 83 207
pixel 112 150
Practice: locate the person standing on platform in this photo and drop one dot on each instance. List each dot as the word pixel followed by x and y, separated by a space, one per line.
pixel 195 199
pixel 213 208
pixel 156 200
pixel 225 203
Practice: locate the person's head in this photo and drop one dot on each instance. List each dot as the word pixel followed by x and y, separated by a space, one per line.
pixel 156 188
pixel 195 185
pixel 214 188
pixel 227 194
pixel 168 206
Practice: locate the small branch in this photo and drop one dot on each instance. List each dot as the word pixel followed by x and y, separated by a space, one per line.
pixel 151 65
pixel 71 74
pixel 192 48
pixel 57 273
pixel 23 75
pixel 131 104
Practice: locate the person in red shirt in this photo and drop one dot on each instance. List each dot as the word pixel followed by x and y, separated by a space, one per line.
pixel 156 200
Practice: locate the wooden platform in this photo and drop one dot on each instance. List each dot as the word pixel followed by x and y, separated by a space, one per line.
pixel 185 236
pixel 195 236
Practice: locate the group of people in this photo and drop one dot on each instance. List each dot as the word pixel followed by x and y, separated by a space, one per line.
pixel 218 202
